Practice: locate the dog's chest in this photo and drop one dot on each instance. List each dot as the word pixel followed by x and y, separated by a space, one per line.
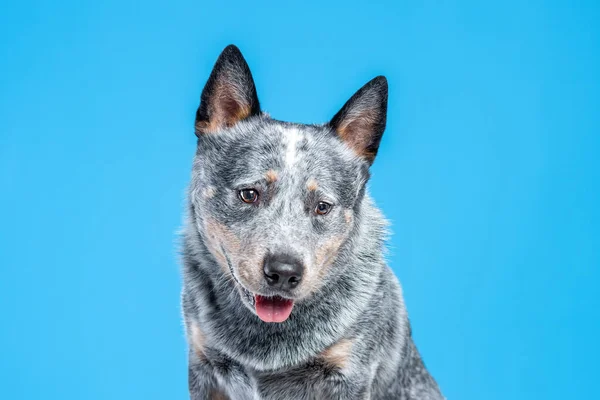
pixel 310 380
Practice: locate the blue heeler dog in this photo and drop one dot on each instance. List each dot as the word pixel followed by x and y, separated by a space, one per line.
pixel 286 291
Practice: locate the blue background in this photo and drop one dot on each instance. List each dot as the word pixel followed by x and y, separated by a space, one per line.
pixel 488 170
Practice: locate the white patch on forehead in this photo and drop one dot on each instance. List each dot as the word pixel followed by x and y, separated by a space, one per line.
pixel 291 138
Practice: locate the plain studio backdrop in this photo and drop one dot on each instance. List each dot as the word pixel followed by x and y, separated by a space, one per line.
pixel 488 171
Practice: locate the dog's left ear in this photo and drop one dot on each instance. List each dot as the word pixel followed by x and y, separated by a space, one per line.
pixel 361 121
pixel 229 95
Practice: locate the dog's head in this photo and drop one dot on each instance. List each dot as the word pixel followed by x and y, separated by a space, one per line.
pixel 275 202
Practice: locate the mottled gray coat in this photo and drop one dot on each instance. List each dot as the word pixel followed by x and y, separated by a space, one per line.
pixel 348 335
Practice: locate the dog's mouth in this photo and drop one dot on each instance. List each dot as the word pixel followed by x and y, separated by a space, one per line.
pixel 273 308
pixel 268 308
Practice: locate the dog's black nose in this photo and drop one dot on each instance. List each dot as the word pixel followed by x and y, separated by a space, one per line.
pixel 283 271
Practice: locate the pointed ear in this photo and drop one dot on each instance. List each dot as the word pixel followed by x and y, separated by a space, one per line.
pixel 361 122
pixel 229 95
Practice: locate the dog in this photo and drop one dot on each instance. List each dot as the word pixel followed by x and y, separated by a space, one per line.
pixel 286 292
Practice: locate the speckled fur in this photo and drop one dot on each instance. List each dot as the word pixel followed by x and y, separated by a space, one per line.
pixel 348 336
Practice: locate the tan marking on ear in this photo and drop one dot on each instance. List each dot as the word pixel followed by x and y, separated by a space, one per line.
pixel 356 132
pixel 206 127
pixel 225 110
pixel 271 176
pixel 312 184
pixel 228 107
pixel 338 354
pixel 242 112
pixel 198 341
pixel 209 192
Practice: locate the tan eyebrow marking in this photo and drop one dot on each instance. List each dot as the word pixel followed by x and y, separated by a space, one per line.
pixel 312 184
pixel 271 176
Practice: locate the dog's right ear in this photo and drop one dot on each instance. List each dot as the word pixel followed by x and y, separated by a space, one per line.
pixel 229 95
pixel 361 121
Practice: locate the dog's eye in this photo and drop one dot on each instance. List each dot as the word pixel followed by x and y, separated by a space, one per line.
pixel 248 195
pixel 323 208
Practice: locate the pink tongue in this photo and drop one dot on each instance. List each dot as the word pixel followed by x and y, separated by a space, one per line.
pixel 273 309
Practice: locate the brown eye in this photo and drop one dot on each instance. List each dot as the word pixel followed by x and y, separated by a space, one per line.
pixel 323 208
pixel 248 195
